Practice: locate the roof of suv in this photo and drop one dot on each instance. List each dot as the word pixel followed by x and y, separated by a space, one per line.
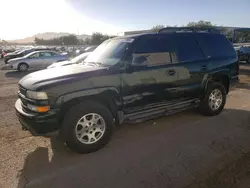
pixel 165 33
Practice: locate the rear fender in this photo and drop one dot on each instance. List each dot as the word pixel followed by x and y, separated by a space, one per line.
pixel 215 74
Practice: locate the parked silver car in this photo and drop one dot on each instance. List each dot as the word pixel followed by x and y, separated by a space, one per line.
pixel 36 60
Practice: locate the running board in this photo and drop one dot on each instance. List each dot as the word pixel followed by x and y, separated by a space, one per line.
pixel 163 110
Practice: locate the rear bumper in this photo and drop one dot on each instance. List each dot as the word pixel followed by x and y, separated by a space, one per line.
pixel 37 124
pixel 233 82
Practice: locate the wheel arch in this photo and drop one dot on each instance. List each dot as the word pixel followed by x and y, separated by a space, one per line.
pixel 222 77
pixel 22 63
pixel 108 98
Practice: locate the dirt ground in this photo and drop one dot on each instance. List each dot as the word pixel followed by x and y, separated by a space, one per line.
pixel 182 150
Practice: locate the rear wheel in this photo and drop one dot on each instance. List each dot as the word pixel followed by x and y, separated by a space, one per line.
pixel 214 100
pixel 87 127
pixel 23 67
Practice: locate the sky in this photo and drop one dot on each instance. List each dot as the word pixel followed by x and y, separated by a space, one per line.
pixel 24 18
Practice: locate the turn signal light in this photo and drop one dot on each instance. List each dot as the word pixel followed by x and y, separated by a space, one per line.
pixel 42 108
pixel 38 108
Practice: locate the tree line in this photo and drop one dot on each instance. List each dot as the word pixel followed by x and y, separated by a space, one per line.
pixel 97 38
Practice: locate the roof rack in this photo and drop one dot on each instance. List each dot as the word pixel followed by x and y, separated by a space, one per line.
pixel 187 29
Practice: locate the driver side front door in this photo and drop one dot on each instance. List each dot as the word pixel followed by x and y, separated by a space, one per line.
pixel 144 86
pixel 34 60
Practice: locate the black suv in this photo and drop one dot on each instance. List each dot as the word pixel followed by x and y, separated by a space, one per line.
pixel 129 79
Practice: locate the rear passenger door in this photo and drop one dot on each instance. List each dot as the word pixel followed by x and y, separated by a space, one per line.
pixel 190 65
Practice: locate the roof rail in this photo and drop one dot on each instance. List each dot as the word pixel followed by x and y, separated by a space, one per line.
pixel 187 29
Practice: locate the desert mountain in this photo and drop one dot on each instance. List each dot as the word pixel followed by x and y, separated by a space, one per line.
pixel 45 36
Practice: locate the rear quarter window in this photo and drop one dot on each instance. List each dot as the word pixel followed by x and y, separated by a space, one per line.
pixel 215 45
pixel 188 48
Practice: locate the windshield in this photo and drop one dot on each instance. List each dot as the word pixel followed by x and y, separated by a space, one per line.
pixel 79 58
pixel 109 52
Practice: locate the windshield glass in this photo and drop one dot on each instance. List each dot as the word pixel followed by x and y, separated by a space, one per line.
pixel 79 58
pixel 109 52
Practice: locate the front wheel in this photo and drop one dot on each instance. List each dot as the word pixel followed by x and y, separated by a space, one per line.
pixel 23 67
pixel 214 100
pixel 87 127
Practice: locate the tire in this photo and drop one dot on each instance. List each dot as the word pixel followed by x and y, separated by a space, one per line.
pixel 70 127
pixel 206 107
pixel 23 67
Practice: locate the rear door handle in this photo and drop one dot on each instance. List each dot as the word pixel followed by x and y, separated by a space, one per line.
pixel 171 72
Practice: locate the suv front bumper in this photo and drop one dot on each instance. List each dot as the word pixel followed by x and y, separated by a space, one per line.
pixel 37 124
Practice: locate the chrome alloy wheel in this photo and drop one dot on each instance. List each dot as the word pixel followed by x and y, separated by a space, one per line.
pixel 215 99
pixel 23 67
pixel 90 128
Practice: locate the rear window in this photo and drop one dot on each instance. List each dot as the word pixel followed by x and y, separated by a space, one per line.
pixel 188 49
pixel 215 45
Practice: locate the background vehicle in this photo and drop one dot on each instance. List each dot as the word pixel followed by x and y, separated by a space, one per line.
pixel 21 53
pixel 244 53
pixel 6 51
pixel 129 79
pixel 36 60
pixel 78 59
pixel 90 49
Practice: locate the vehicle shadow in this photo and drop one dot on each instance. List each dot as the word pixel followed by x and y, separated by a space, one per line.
pixel 16 74
pixel 38 163
pixel 137 150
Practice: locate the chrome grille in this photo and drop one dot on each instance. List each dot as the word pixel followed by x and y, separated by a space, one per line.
pixel 22 90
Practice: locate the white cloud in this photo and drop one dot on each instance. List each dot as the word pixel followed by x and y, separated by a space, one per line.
pixel 22 18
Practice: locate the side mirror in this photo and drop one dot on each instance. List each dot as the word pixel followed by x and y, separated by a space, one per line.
pixel 139 61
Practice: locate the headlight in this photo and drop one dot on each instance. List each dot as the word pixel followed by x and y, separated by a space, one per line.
pixel 37 95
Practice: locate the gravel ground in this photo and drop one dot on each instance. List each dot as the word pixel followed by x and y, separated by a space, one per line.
pixel 182 150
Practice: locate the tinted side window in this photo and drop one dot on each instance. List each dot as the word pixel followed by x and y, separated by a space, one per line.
pixel 215 45
pixel 156 50
pixel 35 55
pixel 187 48
pixel 53 53
pixel 45 54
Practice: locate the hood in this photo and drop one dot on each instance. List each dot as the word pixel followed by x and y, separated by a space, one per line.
pixel 59 64
pixel 15 60
pixel 45 78
pixel 9 54
pixel 12 55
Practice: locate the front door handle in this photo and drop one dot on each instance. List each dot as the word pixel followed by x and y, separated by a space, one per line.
pixel 171 72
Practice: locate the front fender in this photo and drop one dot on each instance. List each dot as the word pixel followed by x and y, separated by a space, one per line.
pixel 110 92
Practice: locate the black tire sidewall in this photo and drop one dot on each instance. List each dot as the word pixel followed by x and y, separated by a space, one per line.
pixel 73 116
pixel 204 107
